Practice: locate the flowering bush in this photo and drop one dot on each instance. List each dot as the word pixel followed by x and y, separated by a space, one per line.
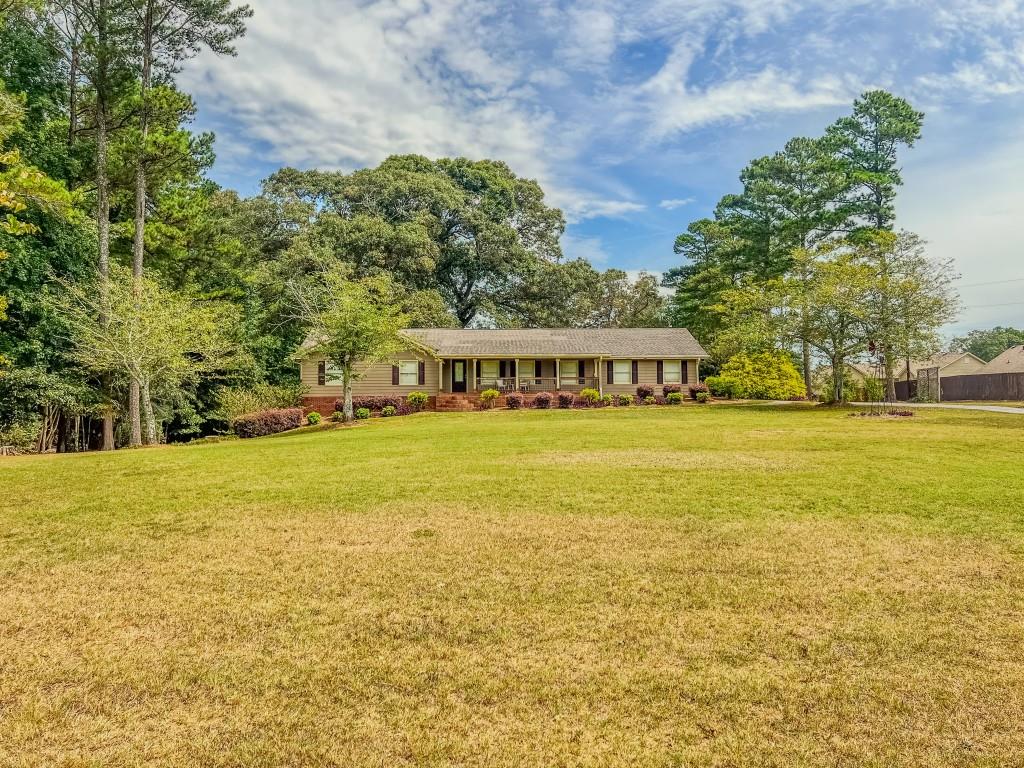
pixel 624 400
pixel 372 403
pixel 388 410
pixel 566 399
pixel 767 376
pixel 313 418
pixel 643 392
pixel 589 396
pixel 362 413
pixel 696 388
pixel 268 422
pixel 514 401
pixel 488 396
pixel 417 401
pixel 542 400
pixel 668 389
pixel 674 398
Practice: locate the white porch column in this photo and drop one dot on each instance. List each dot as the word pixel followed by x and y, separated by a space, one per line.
pixel 597 374
pixel 558 375
pixel 471 378
pixel 517 374
pixel 440 375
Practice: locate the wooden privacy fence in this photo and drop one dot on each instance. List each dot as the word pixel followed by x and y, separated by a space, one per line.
pixel 984 386
pixel 978 386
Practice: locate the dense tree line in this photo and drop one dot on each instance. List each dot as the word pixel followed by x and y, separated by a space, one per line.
pixel 135 293
pixel 806 257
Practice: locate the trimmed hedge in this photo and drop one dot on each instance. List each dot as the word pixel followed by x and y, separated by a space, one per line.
pixel 643 392
pixel 542 400
pixel 696 389
pixel 566 399
pixel 668 389
pixel 514 401
pixel 372 403
pixel 269 422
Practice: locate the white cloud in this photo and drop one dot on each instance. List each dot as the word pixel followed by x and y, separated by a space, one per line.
pixel 671 205
pixel 582 209
pixel 589 248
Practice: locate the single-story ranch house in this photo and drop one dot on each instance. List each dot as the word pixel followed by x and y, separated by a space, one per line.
pixel 454 365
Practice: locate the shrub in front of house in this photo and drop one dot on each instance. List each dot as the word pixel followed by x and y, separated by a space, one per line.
pixel 362 413
pixel 372 403
pixel 338 416
pixel 695 388
pixel 514 401
pixel 624 399
pixel 650 400
pixel 589 397
pixel 566 399
pixel 542 400
pixel 488 397
pixel 643 392
pixel 607 400
pixel 313 419
pixel 417 401
pixel 674 398
pixel 668 389
pixel 720 387
pixel 234 402
pixel 268 422
pixel 388 410
pixel 703 397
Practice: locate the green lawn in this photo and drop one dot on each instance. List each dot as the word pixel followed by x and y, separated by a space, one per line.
pixel 727 585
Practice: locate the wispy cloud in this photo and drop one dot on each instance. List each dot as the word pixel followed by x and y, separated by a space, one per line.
pixel 672 204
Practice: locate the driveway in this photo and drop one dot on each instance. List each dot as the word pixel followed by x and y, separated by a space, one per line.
pixel 954 407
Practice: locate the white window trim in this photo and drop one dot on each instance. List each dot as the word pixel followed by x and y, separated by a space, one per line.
pixel 408 373
pixel 622 372
pixel 675 367
pixel 332 376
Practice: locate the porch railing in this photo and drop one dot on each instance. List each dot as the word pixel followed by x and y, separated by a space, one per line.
pixel 538 383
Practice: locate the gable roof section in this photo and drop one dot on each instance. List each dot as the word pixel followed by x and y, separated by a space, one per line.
pixel 551 342
pixel 940 360
pixel 1011 361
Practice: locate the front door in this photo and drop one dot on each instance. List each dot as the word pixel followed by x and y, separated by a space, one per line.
pixel 458 375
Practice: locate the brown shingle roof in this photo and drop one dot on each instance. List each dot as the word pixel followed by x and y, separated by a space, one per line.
pixel 1011 361
pixel 545 342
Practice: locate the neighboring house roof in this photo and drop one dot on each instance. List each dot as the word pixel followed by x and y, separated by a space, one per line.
pixel 940 361
pixel 864 369
pixel 1011 361
pixel 550 342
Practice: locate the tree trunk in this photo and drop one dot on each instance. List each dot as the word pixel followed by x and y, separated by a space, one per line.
pixel 103 200
pixel 73 87
pixel 135 438
pixel 139 236
pixel 147 407
pixel 838 371
pixel 890 379
pixel 348 412
pixel 806 352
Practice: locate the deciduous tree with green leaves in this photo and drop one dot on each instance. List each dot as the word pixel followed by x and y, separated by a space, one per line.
pixel 989 344
pixel 349 323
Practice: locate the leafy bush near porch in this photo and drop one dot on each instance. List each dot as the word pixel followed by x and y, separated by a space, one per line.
pixel 268 422
pixel 650 400
pixel 488 397
pixel 766 376
pixel 624 399
pixel 589 396
pixel 372 403
pixel 695 388
pixel 607 400
pixel 668 389
pixel 566 399
pixel 417 401
pixel 362 413
pixel 542 400
pixel 313 418
pixel 388 410
pixel 703 397
pixel 514 401
pixel 338 417
pixel 243 401
pixel 674 398
pixel 643 392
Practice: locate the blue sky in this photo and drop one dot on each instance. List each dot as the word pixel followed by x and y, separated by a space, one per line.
pixel 636 117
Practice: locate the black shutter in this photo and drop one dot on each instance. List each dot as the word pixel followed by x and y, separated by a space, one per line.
pixel 478 369
pixel 394 375
pixel 501 369
pixel 684 375
pixel 512 368
pixel 661 371
pixel 423 374
pixel 636 372
pixel 537 369
pixel 611 372
pixel 321 373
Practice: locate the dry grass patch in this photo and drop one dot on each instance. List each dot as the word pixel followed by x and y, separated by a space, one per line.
pixel 439 591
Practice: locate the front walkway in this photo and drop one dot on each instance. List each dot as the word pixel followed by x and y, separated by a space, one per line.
pixel 954 407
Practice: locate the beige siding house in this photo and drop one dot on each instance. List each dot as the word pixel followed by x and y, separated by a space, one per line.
pixel 948 363
pixel 1011 361
pixel 449 364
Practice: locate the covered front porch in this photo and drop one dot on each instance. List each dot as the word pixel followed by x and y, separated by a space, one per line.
pixel 526 375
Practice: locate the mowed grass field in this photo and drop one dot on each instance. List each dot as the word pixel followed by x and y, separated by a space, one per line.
pixel 699 586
